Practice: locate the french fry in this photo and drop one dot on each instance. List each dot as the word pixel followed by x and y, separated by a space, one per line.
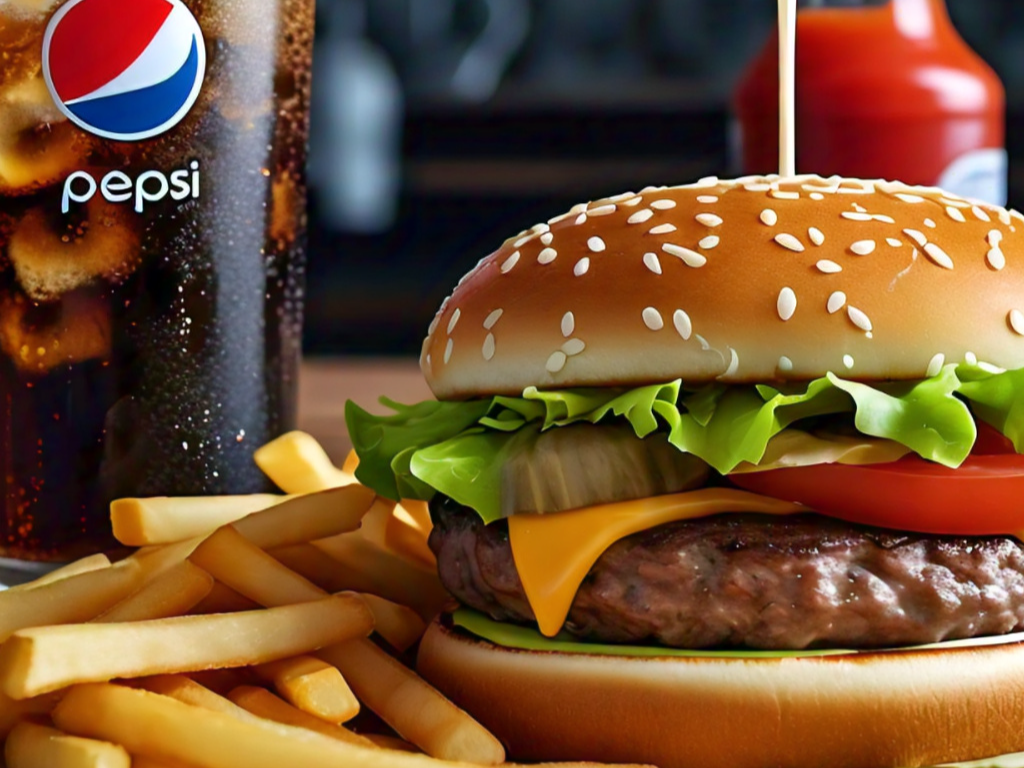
pixel 417 711
pixel 166 519
pixel 322 569
pixel 140 761
pixel 408 530
pixel 156 560
pixel 305 518
pixel 233 560
pixel 223 599
pixel 297 463
pixel 312 685
pixel 189 691
pixel 31 745
pixel 399 625
pixel 262 703
pixel 385 574
pixel 44 659
pixel 221 681
pixel 13 710
pixel 351 462
pixel 389 742
pixel 170 594
pixel 161 728
pixel 375 522
pixel 84 565
pixel 74 599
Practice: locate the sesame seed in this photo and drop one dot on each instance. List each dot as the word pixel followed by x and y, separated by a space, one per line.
pixel 633 201
pixel 978 211
pixel 1004 217
pixel 856 216
pixel 828 267
pixel 690 258
pixel 706 199
pixel 930 223
pixel 859 319
pixel 664 205
pixel 769 217
pixel 916 236
pixel 596 244
pixel 547 238
pixel 640 216
pixel 1016 214
pixel 939 256
pixel 547 256
pixel 854 191
pixel 661 229
pixel 894 242
pixel 883 218
pixel 573 347
pixel 707 181
pixel 816 235
pixel 955 200
pixel 848 361
pixel 488 349
pixel 955 214
pixel 510 262
pixel 994 238
pixel 524 240
pixel 758 187
pixel 910 198
pixel 561 217
pixel 709 242
pixel 652 319
pixel 863 247
pixel 790 242
pixel 734 364
pixel 581 219
pixel 540 228
pixel 785 364
pixel 971 358
pixel 652 262
pixel 786 303
pixel 493 318
pixel 814 196
pixel 1016 318
pixel 582 267
pixel 704 345
pixel 935 365
pixel 568 324
pixel 859 207
pixel 681 321
pixel 448 350
pixel 556 362
pixel 454 320
pixel 601 210
pixel 990 368
pixel 783 195
pixel 709 219
pixel 836 302
pixel 996 259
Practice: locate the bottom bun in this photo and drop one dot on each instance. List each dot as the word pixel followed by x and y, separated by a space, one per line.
pixel 864 710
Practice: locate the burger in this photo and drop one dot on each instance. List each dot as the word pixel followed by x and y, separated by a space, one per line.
pixel 727 475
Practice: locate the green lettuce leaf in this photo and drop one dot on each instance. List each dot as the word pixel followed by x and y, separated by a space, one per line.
pixel 459 448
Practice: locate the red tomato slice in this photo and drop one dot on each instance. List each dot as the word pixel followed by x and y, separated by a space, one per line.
pixel 984 496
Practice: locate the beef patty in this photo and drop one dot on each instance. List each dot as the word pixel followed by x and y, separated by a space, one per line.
pixel 755 581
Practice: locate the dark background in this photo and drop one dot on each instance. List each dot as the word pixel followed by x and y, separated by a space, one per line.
pixel 443 126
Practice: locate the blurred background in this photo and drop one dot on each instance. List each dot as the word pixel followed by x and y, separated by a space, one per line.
pixel 442 126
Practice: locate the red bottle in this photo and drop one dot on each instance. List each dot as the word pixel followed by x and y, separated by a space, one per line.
pixel 884 90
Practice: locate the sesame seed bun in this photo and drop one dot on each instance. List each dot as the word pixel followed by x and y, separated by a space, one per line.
pixel 907 708
pixel 757 279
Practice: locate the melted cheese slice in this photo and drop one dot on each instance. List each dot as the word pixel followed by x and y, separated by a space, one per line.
pixel 554 552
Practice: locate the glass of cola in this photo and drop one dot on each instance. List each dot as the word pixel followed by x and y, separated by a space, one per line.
pixel 152 224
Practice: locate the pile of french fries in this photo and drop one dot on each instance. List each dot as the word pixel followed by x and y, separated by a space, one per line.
pixel 243 631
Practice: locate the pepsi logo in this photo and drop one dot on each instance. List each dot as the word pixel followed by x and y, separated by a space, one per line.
pixel 124 70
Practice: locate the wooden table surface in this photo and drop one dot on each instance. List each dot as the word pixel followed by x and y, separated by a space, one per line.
pixel 326 383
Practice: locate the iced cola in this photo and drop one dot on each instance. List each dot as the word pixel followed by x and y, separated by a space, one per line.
pixel 151 253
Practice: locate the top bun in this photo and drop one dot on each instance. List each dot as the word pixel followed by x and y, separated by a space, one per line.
pixel 755 280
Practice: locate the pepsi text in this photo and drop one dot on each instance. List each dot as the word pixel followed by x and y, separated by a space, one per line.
pixel 119 187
